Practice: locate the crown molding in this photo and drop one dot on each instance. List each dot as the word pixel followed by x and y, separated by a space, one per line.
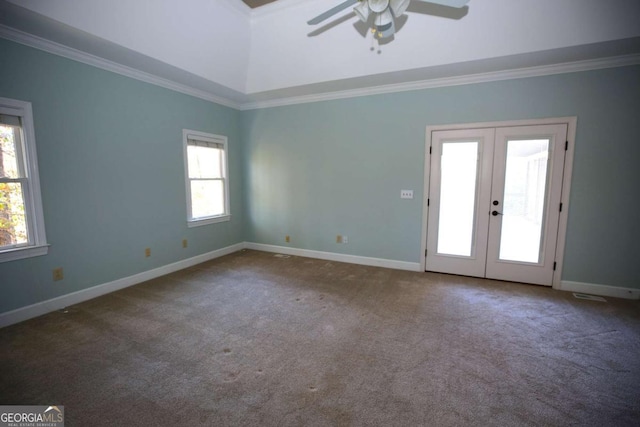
pixel 95 61
pixel 30 40
pixel 537 71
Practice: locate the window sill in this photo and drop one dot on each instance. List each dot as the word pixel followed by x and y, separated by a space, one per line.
pixel 21 253
pixel 206 221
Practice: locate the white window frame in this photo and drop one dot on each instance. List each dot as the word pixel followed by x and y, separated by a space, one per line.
pixel 216 139
pixel 37 244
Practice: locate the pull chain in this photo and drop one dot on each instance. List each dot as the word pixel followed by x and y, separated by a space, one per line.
pixel 375 38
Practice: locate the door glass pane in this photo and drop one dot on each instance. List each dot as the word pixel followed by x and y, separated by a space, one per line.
pixel 458 181
pixel 524 200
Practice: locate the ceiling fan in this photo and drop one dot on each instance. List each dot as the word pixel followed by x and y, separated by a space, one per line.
pixel 381 13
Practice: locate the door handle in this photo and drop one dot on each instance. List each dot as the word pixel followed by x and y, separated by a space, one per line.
pixel 496 213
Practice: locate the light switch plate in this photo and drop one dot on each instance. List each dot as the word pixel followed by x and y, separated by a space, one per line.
pixel 406 194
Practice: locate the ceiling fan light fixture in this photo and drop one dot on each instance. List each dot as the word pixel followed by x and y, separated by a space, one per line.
pixel 362 10
pixel 387 31
pixel 383 28
pixel 383 19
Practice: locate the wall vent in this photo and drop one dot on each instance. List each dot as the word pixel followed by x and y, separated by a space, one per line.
pixel 589 297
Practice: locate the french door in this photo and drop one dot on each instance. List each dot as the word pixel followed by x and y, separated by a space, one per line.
pixel 494 202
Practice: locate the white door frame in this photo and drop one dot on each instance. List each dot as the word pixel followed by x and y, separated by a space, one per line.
pixel 571 123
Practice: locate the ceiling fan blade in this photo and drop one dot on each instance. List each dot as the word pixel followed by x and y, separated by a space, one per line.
pixel 329 13
pixel 399 6
pixel 449 3
pixel 363 11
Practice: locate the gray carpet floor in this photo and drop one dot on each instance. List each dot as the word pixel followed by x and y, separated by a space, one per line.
pixel 256 340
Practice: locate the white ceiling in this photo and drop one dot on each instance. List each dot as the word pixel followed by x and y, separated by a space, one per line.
pixel 246 57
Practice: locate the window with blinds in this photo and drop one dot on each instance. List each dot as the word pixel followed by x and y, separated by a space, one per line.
pixel 21 219
pixel 206 177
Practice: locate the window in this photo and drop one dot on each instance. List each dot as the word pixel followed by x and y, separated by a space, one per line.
pixel 21 220
pixel 205 157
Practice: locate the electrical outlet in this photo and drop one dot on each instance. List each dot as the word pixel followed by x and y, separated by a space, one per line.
pixel 338 239
pixel 147 252
pixel 58 274
pixel 184 243
pixel 287 238
pixel 406 194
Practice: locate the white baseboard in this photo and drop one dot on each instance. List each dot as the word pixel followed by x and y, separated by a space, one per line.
pixel 38 309
pixel 332 256
pixel 602 290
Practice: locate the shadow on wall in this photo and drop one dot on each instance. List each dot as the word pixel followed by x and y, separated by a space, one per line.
pixel 332 24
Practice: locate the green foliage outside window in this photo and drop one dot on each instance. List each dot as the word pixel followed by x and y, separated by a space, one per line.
pixel 13 230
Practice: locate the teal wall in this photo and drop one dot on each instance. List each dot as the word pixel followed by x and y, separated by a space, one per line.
pixel 112 175
pixel 316 170
pixel 111 170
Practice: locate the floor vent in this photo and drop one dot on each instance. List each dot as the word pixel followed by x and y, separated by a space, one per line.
pixel 282 256
pixel 589 297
